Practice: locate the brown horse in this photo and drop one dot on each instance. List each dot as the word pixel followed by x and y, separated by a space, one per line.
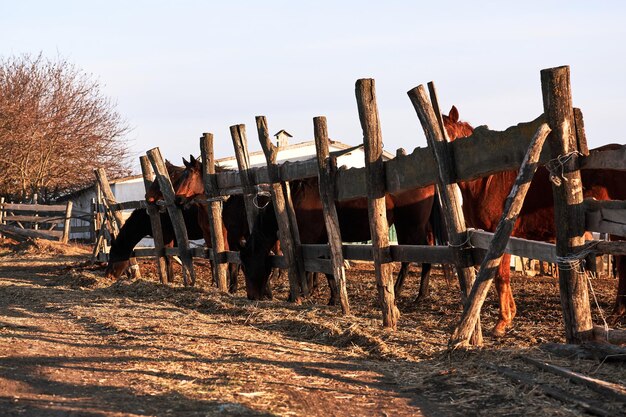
pixel 409 211
pixel 483 203
pixel 233 211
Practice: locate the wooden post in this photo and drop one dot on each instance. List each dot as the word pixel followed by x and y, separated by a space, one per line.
pixel 326 168
pixel 66 222
pixel 220 269
pixel 240 144
pixel 447 189
pixel 155 224
pixel 569 215
pixel 178 222
pixel 286 232
pixel 491 262
pixel 376 206
pixel 115 217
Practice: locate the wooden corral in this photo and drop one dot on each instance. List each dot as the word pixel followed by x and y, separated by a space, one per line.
pixel 41 221
pixel 442 163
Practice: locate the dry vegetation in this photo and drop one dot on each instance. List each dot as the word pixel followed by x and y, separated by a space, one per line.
pixel 72 343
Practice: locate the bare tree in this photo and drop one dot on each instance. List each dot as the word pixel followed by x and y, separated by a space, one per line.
pixel 56 127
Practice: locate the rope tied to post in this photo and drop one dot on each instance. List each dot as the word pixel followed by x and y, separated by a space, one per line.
pixel 556 167
pixel 255 200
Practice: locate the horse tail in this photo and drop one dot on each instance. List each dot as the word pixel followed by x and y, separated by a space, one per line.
pixel 437 222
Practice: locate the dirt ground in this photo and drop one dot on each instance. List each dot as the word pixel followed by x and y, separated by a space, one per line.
pixel 75 344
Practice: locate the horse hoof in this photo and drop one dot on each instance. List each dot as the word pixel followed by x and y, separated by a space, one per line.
pixel 421 298
pixel 332 302
pixel 499 330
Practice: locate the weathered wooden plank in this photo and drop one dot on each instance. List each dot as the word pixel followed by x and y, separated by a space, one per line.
pixel 318 265
pixel 569 216
pixel 286 232
pixel 532 249
pixel 376 208
pixel 39 208
pixel 506 150
pixel 165 273
pixel 39 234
pixel 491 262
pixel 447 189
pixel 33 219
pixel 178 222
pixel 581 136
pixel 606 216
pixel 608 159
pixel 609 389
pixel 220 270
pixel 592 407
pixel 66 223
pixel 240 145
pixel 326 169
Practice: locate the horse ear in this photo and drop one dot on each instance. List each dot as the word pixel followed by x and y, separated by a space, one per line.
pixel 454 114
pixel 187 164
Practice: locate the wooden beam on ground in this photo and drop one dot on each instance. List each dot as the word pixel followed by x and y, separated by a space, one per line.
pixel 155 224
pixel 609 389
pixel 376 205
pixel 327 166
pixel 176 216
pixel 447 189
pixel 592 407
pixel 220 270
pixel 286 232
pixel 569 215
pixel 491 263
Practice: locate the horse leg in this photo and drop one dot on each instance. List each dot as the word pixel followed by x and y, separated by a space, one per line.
pixel 334 292
pixel 311 278
pixel 505 295
pixel 233 272
pixel 404 270
pixel 424 283
pixel 619 310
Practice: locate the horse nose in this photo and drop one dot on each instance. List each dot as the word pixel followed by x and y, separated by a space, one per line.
pixel 179 200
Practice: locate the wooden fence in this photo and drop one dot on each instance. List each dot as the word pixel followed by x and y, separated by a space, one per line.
pixel 442 163
pixel 42 221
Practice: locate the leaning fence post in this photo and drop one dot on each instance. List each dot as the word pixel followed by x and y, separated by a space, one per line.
pixel 569 215
pixel 115 217
pixel 491 262
pixel 376 205
pixel 155 224
pixel 326 173
pixel 447 189
pixel 178 222
pixel 220 269
pixel 240 145
pixel 287 227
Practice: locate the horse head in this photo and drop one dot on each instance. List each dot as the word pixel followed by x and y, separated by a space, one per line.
pixel 454 127
pixel 190 183
pixel 154 194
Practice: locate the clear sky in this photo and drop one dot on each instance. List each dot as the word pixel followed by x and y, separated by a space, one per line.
pixel 180 68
